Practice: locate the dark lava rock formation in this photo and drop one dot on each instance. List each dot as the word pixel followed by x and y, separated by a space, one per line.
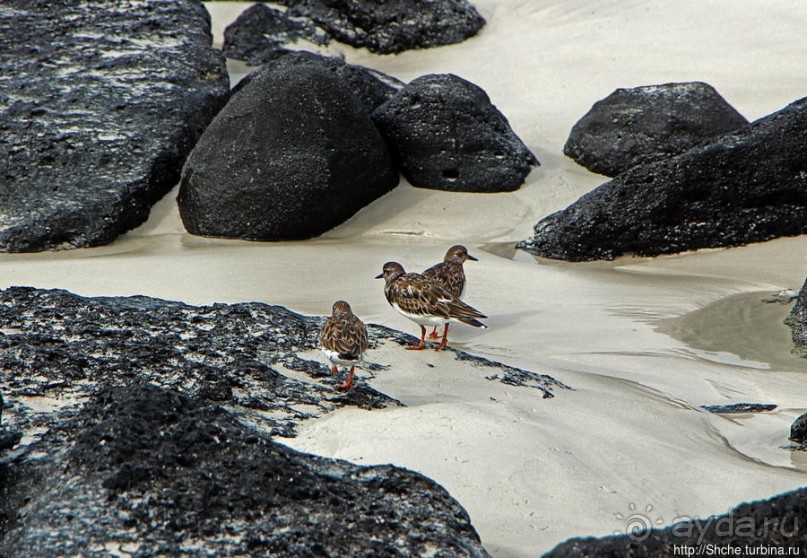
pixel 798 430
pixel 100 103
pixel 636 126
pixel 768 525
pixel 373 88
pixel 57 344
pixel 735 408
pixel 8 439
pixel 797 320
pixel 259 33
pixel 149 471
pixel 149 429
pixel 745 186
pixel 391 26
pixel 293 154
pixel 242 356
pixel 447 135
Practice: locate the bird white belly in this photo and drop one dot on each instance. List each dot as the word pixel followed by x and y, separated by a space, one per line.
pixel 333 356
pixel 424 319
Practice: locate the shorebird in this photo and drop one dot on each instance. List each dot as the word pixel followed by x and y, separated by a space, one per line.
pixel 425 302
pixel 343 339
pixel 450 274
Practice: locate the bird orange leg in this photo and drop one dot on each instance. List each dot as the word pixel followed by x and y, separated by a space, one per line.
pixel 442 344
pixel 349 383
pixel 422 341
pixel 433 334
pixel 334 369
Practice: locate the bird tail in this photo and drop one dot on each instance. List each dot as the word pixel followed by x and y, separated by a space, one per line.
pixel 472 322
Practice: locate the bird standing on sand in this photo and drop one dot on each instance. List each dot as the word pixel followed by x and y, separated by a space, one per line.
pixel 343 339
pixel 425 302
pixel 450 274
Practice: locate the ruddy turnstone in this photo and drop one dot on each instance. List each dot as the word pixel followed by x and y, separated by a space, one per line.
pixel 449 274
pixel 343 339
pixel 425 302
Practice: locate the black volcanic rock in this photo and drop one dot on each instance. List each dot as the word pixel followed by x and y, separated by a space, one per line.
pixel 739 408
pixel 151 472
pixel 636 126
pixel 228 354
pixel 293 154
pixel 798 430
pixel 797 320
pixel 244 356
pixel 7 438
pixel 391 26
pixel 447 135
pixel 775 526
pixel 745 186
pixel 100 103
pixel 373 88
pixel 257 36
pixel 154 436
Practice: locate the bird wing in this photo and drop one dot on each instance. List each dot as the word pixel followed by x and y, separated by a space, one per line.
pixel 414 294
pixel 449 275
pixel 344 334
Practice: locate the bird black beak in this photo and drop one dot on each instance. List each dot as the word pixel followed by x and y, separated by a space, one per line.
pixel 470 257
pixel 379 276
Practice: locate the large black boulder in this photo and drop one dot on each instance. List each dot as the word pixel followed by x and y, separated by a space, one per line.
pixel 447 135
pixel 151 472
pixel 100 103
pixel 643 124
pixel 373 88
pixel 293 154
pixel 797 320
pixel 257 36
pixel 767 527
pixel 394 25
pixel 746 186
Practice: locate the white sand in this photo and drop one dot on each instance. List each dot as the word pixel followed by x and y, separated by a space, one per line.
pixel 533 472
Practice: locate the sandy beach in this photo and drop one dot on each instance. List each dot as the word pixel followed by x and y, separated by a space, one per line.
pixel 642 342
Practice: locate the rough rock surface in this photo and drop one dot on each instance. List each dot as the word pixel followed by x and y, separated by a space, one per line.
pixel 242 356
pixel 257 36
pixel 100 103
pixel 745 186
pixel 636 126
pixel 447 135
pixel 149 471
pixel 798 430
pixel 766 524
pixel 797 320
pixel 373 88
pixel 57 344
pixel 150 420
pixel 7 438
pixel 293 154
pixel 391 26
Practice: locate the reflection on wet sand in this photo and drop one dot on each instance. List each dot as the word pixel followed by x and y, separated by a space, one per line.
pixel 740 325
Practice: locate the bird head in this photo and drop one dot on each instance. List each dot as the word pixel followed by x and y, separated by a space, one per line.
pixel 391 271
pixel 458 254
pixel 340 306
